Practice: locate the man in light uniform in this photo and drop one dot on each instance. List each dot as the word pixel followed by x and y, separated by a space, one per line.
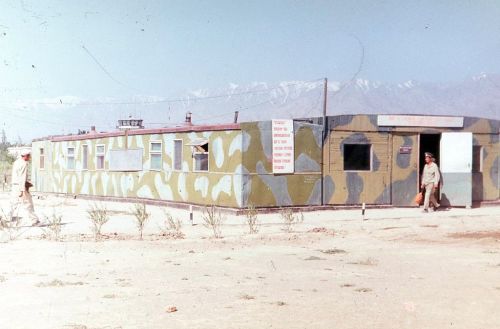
pixel 20 195
pixel 430 180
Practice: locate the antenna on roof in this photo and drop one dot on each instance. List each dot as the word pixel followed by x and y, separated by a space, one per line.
pixel 130 123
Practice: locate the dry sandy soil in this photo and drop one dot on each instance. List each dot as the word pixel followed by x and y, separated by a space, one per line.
pixel 398 269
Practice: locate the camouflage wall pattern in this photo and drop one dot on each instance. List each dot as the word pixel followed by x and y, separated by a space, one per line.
pixel 240 171
pixel 485 180
pixel 261 186
pixel 393 176
pixel 355 187
pixel 404 168
pixel 240 164
pixel 220 185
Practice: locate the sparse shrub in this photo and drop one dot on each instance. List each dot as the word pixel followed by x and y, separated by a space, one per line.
pixel 141 216
pixel 172 227
pixel 290 219
pixel 213 220
pixel 54 226
pixel 10 225
pixel 251 219
pixel 98 215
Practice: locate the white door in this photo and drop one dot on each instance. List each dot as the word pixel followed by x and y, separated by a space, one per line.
pixel 456 168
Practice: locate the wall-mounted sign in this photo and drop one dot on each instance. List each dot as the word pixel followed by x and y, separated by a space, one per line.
pixel 125 160
pixel 420 121
pixel 405 150
pixel 283 146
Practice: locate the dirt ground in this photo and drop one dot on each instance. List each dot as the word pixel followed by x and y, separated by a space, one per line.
pixel 400 268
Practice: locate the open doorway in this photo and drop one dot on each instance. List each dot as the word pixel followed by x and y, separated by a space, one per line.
pixel 428 143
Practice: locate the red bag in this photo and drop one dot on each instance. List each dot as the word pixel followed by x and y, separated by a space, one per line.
pixel 419 198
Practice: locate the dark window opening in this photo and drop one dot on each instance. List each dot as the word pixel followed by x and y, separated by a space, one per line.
pixel 357 156
pixel 202 148
pixel 477 158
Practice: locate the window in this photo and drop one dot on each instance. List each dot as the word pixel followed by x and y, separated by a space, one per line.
pixel 155 154
pixel 178 154
pixel 70 158
pixel 99 156
pixel 357 157
pixel 42 159
pixel 200 156
pixel 477 158
pixel 85 156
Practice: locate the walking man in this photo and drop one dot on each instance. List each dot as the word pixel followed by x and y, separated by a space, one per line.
pixel 430 180
pixel 20 195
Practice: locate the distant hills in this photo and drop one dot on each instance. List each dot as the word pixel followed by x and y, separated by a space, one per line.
pixel 478 96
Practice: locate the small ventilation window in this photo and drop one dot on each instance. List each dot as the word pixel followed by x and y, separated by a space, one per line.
pixel 357 157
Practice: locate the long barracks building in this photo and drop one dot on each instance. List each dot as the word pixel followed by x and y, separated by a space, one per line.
pixel 337 160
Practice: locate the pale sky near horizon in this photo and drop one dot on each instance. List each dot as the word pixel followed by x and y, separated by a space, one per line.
pixel 119 50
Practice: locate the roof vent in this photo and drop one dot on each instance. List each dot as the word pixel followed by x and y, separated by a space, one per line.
pixel 187 121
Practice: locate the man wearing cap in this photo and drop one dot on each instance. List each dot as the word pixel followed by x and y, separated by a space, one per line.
pixel 430 180
pixel 20 188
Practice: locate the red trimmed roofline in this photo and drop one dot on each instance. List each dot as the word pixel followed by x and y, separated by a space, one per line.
pixel 149 131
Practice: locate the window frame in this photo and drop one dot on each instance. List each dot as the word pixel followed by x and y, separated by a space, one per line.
pixel 70 156
pixel 41 158
pixel 152 152
pixel 175 155
pixel 98 154
pixel 85 157
pixel 196 150
pixel 370 157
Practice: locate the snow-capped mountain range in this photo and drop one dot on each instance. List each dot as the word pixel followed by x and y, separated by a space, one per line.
pixel 478 96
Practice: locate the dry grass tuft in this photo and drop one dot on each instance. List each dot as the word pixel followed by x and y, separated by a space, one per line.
pixel 10 225
pixel 290 219
pixel 172 227
pixel 58 283
pixel 333 251
pixel 347 285
pixel 252 220
pixel 141 217
pixel 366 262
pixel 213 220
pixel 98 215
pixel 54 226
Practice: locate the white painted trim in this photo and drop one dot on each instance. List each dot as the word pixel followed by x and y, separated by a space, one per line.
pixel 68 156
pixel 420 121
pixel 151 153
pixel 100 154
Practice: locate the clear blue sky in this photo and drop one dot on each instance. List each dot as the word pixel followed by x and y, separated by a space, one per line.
pixel 52 49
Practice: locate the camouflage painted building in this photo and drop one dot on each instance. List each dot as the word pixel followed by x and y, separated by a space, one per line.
pixel 378 159
pixel 360 158
pixel 225 165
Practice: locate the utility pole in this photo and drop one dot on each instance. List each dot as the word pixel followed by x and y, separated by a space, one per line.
pixel 325 90
pixel 324 135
